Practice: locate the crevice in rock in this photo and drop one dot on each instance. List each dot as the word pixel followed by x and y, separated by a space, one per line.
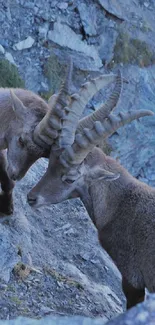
pixel 82 32
pixel 109 15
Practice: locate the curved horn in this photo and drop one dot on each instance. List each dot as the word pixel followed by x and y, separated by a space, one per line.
pixel 85 142
pixel 105 109
pixel 49 127
pixel 77 104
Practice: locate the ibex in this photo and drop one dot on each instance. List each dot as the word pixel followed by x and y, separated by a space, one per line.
pixel 121 207
pixel 29 125
pixel 19 117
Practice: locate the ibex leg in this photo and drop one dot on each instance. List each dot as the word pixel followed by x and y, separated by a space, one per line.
pixel 7 185
pixel 133 295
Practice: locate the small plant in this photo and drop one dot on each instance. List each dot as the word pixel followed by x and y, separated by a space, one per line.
pixel 129 50
pixel 55 72
pixel 21 270
pixel 16 300
pixel 61 278
pixel 9 76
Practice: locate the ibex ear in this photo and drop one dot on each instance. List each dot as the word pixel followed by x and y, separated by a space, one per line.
pixel 17 106
pixel 101 173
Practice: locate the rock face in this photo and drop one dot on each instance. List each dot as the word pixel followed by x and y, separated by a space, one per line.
pixel 142 314
pixel 69 272
pixel 64 36
pixel 100 35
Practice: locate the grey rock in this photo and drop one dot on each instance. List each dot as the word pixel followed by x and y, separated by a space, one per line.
pixel 43 29
pixel 2 16
pixel 137 139
pixel 88 17
pixel 45 310
pixel 2 50
pixel 54 3
pixel 142 314
pixel 55 321
pixel 45 240
pixel 64 36
pixel 4 43
pixel 135 13
pixel 25 44
pixel 62 5
pixel 146 4
pixel 8 253
pixel 28 4
pixel 9 57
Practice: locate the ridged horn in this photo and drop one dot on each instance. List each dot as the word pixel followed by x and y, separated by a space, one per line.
pixel 84 143
pixel 76 107
pixel 105 109
pixel 49 127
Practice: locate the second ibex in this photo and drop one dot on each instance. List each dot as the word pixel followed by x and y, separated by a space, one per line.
pixel 121 207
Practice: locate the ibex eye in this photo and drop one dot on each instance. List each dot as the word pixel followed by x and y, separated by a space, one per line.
pixel 69 181
pixel 21 141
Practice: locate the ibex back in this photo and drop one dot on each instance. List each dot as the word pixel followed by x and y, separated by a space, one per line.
pixel 121 207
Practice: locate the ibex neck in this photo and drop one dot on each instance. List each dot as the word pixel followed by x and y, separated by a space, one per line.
pixel 104 200
pixel 86 198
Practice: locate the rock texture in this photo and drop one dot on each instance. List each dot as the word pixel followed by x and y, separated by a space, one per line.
pixel 51 261
pixel 100 35
pixel 142 314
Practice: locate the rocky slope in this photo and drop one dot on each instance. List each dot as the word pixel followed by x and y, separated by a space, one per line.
pixel 70 273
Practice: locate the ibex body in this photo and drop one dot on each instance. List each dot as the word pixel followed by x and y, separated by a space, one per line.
pixel 121 207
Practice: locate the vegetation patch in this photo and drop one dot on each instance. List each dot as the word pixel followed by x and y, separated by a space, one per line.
pixel 55 72
pixel 66 280
pixel 9 76
pixel 134 51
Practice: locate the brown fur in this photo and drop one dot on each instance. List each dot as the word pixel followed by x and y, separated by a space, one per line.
pixel 13 126
pixel 7 185
pixel 122 210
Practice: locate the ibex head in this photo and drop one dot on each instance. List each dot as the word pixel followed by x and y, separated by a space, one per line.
pixel 34 127
pixel 74 163
pixel 22 150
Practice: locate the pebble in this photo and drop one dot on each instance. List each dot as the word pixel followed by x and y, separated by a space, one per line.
pixel 25 44
pixel 45 310
pixel 62 5
pixel 9 57
pixel 2 50
pixel 146 4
